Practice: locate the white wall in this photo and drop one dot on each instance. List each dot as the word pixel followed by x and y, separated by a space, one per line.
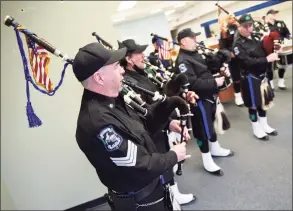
pixel 43 168
pixel 141 29
pixel 6 200
pixel 285 14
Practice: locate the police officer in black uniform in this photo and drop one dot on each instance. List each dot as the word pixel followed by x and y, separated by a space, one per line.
pixel 226 42
pixel 279 26
pixel 200 75
pixel 114 138
pixel 133 65
pixel 254 63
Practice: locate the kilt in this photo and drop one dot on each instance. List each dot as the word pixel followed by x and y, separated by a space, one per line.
pixel 203 119
pixel 251 90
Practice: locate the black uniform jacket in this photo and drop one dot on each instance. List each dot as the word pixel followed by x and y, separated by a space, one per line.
pixel 199 73
pixel 118 145
pixel 141 79
pixel 281 27
pixel 251 55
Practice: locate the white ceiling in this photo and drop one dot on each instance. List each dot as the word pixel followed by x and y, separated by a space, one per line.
pixel 148 8
pixel 187 10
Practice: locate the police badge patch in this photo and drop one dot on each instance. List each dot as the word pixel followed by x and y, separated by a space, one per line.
pixel 182 68
pixel 236 50
pixel 110 138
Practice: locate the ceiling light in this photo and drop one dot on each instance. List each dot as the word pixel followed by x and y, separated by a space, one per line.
pixel 179 5
pixel 124 5
pixel 156 11
pixel 169 12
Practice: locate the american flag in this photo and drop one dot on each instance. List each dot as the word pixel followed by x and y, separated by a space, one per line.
pixel 221 17
pixel 39 61
pixel 164 49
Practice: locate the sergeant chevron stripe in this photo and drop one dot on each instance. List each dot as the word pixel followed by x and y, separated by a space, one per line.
pixel 130 158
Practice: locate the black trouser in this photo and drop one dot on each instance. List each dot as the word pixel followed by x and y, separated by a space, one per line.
pixel 281 72
pixel 270 71
pixel 203 124
pixel 272 66
pixel 235 74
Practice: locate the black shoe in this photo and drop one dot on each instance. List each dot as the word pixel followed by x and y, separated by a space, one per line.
pixel 229 155
pixel 274 133
pixel 216 173
pixel 265 138
pixel 282 88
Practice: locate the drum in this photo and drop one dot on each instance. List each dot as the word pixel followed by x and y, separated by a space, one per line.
pixel 285 56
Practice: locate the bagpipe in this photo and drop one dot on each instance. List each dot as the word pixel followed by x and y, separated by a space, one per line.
pixel 158 73
pixel 167 105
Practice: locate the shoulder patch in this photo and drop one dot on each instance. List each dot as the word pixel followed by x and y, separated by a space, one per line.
pixel 236 50
pixel 182 68
pixel 110 138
